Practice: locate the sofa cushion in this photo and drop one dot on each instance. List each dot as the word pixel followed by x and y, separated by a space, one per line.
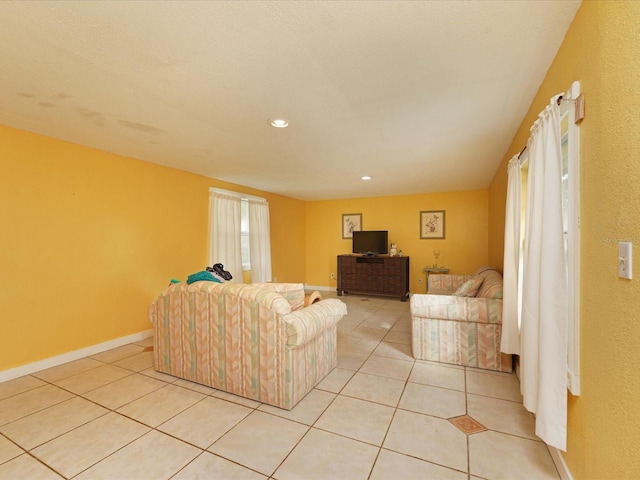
pixel 492 285
pixel 470 287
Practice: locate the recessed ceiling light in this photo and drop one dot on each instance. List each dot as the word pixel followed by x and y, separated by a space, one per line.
pixel 279 122
pixel 366 177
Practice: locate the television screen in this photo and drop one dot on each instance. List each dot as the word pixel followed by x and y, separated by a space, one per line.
pixel 370 242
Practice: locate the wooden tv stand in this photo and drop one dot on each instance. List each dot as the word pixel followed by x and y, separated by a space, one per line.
pixel 381 275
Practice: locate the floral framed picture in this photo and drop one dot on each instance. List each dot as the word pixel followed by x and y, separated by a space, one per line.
pixel 351 222
pixel 432 224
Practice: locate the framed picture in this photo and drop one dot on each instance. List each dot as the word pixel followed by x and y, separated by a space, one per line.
pixel 351 222
pixel 432 224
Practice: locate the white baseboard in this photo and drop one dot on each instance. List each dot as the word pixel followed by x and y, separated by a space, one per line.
pixel 560 463
pixel 321 288
pixel 70 356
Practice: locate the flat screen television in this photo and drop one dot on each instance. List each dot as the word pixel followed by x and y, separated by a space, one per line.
pixel 370 242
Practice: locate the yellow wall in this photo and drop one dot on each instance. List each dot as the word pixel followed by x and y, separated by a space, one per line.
pixel 463 250
pixel 602 51
pixel 90 239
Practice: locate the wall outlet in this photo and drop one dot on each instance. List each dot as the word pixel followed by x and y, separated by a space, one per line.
pixel 333 276
pixel 419 280
pixel 275 279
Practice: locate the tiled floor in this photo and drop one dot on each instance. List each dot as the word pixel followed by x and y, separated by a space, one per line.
pixel 379 415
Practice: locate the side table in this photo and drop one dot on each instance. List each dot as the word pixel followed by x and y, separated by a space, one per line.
pixel 429 270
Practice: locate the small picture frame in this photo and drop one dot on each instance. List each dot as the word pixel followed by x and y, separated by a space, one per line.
pixel 351 222
pixel 432 223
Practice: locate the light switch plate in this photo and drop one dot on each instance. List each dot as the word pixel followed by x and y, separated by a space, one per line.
pixel 624 259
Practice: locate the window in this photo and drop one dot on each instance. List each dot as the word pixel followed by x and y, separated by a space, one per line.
pixel 571 221
pixel 240 235
pixel 244 234
pixel 570 204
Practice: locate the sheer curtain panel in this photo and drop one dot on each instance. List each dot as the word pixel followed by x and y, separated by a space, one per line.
pixel 543 350
pixel 510 341
pixel 225 243
pixel 259 241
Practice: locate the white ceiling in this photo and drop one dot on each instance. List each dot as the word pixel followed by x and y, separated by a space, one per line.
pixel 424 96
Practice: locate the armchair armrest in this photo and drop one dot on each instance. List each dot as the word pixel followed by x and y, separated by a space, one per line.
pixel 449 307
pixel 446 282
pixel 305 324
pixel 292 292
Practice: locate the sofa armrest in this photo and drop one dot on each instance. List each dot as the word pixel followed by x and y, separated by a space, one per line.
pixel 446 283
pixel 307 323
pixel 449 307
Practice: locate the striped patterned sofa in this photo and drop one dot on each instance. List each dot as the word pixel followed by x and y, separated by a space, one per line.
pixel 460 321
pixel 257 341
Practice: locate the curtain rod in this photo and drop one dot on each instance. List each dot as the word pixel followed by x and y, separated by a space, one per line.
pixel 558 101
pixel 562 99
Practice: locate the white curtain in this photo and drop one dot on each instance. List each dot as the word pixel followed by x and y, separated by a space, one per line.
pixel 510 342
pixel 543 350
pixel 225 245
pixel 259 241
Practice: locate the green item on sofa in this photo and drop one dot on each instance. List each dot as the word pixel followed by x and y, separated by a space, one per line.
pixel 175 280
pixel 202 276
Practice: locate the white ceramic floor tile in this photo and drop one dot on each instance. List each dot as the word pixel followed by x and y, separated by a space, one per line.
pixel 196 387
pixel 307 411
pixel 496 386
pixel 19 385
pixel 351 360
pixel 432 439
pixel 261 441
pixel 335 380
pixel 206 421
pixel 436 401
pixel 374 334
pixel 115 354
pixel 31 401
pixel 68 369
pixel 497 455
pixel 154 456
pixel 394 350
pixel 123 391
pixel 375 388
pixel 209 466
pixel 397 336
pixel 160 405
pixel 390 465
pixel 145 342
pixel 86 381
pixel 40 427
pixel 136 363
pixel 403 324
pixel 75 434
pixel 384 322
pixel 323 455
pixel 356 344
pixel 150 372
pixel 438 376
pixel 230 397
pixel 502 415
pixel 81 448
pixel 347 324
pixel 357 419
pixel 387 367
pixel 8 450
pixel 26 467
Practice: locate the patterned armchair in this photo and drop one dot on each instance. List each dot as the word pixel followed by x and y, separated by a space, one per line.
pixel 460 321
pixel 257 341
